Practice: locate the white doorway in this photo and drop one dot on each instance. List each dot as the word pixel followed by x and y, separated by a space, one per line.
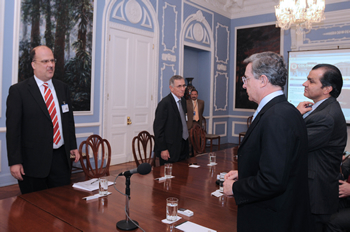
pixel 129 106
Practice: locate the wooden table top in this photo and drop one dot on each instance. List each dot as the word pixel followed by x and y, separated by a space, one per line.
pixel 20 215
pixel 192 186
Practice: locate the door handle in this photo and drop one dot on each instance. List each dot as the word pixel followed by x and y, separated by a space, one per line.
pixel 128 121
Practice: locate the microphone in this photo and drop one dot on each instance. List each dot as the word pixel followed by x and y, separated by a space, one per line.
pixel 142 169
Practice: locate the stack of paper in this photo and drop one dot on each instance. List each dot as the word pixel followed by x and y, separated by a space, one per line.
pixel 89 185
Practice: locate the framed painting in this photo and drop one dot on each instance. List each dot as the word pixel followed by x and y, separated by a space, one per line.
pixel 66 27
pixel 250 40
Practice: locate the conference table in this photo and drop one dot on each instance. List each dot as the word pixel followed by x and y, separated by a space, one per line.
pixel 64 209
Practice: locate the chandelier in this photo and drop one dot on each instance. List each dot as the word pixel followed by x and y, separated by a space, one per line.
pixel 302 13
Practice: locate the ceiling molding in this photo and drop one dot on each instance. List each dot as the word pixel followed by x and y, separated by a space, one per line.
pixel 234 9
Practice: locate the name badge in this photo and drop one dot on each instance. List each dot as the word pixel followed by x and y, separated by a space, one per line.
pixel 186 117
pixel 65 108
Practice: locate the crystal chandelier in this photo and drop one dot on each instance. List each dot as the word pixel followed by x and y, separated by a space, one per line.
pixel 302 13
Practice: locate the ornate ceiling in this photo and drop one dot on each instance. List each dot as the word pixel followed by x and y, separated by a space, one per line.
pixel 244 8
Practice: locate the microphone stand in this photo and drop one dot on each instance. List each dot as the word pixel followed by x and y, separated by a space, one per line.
pixel 127 224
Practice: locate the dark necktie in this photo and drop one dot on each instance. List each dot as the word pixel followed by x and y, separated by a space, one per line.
pixel 50 104
pixel 183 120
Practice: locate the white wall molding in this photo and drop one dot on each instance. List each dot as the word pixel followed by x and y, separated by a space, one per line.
pixel 220 123
pixel 2 22
pixel 216 88
pixel 338 20
pixel 223 59
pixel 234 127
pixel 164 16
pixel 165 66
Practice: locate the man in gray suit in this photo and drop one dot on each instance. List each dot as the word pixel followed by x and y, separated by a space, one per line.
pixel 169 126
pixel 327 136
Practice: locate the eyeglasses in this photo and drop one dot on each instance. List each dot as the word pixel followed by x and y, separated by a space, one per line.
pixel 245 79
pixel 45 62
pixel 181 86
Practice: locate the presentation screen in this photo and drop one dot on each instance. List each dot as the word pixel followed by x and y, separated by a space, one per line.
pixel 300 64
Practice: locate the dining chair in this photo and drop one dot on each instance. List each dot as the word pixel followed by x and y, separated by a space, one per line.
pixel 142 148
pixel 242 134
pixel 197 139
pixel 210 137
pixel 95 157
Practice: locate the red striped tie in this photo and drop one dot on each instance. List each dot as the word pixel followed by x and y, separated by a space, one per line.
pixel 50 104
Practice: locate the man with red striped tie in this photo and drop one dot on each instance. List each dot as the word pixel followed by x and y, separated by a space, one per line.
pixel 40 130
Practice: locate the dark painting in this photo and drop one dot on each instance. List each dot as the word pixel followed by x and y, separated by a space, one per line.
pixel 249 41
pixel 65 26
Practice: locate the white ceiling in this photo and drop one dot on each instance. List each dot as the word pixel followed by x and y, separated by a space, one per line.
pixel 244 8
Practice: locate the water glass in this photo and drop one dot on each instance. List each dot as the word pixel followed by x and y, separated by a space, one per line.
pixel 103 186
pixel 222 179
pixel 171 208
pixel 168 169
pixel 212 158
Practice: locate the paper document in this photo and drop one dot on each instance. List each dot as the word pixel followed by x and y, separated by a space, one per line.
pixel 89 185
pixel 190 227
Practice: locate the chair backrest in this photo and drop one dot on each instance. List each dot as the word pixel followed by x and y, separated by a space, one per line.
pixel 204 124
pixel 142 148
pixel 197 138
pixel 97 158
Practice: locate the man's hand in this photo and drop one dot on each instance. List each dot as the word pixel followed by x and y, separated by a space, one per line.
pixel 17 171
pixel 76 154
pixel 230 178
pixel 304 107
pixel 344 189
pixel 228 187
pixel 232 175
pixel 165 155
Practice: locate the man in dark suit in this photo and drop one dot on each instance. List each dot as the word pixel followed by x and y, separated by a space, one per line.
pixel 327 136
pixel 195 108
pixel 40 141
pixel 169 126
pixel 270 186
pixel 339 221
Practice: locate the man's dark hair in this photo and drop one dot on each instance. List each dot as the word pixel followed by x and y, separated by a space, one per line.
pixel 194 90
pixel 331 77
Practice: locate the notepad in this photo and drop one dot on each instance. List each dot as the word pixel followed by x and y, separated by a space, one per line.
pixel 89 185
pixel 190 227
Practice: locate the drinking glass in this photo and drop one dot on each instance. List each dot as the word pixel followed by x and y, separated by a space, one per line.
pixel 103 186
pixel 168 169
pixel 212 158
pixel 171 208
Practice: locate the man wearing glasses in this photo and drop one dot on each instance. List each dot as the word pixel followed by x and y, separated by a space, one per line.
pixel 170 128
pixel 40 130
pixel 271 186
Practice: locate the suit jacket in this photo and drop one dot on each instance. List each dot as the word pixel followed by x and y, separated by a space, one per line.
pixel 190 112
pixel 167 127
pixel 272 191
pixel 29 132
pixel 326 128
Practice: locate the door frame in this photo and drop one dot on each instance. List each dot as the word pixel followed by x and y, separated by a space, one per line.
pixel 104 56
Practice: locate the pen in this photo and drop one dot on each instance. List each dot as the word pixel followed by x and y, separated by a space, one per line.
pixel 94 181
